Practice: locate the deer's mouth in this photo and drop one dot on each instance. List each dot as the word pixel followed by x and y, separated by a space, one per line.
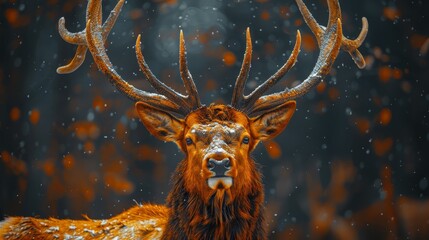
pixel 220 182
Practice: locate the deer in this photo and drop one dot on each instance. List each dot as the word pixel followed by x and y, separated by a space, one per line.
pixel 217 190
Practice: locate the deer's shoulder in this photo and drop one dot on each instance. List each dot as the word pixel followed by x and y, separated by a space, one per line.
pixel 140 222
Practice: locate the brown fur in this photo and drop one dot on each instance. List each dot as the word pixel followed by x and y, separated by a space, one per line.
pixel 140 222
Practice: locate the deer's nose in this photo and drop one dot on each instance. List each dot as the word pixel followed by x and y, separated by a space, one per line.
pixel 219 167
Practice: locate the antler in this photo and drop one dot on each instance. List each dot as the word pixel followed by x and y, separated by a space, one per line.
pixel 239 100
pixel 93 38
pixel 190 101
pixel 330 39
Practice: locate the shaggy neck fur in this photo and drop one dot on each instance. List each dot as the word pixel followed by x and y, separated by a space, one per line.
pixel 191 218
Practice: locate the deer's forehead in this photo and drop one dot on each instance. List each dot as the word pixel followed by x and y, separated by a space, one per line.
pixel 217 129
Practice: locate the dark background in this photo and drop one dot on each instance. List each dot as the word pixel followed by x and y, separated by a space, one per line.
pixel 352 164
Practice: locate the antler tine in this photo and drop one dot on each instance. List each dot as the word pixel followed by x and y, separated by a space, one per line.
pixel 72 38
pixel 187 103
pixel 79 38
pixel 334 11
pixel 348 45
pixel 238 98
pixel 351 46
pixel 76 62
pixel 159 86
pixel 189 83
pixel 310 21
pixel 94 11
pixel 259 91
pixel 111 19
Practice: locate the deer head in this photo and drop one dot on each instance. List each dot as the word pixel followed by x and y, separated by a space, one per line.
pixel 216 139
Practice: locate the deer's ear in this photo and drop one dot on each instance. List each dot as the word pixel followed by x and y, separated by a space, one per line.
pixel 272 123
pixel 160 123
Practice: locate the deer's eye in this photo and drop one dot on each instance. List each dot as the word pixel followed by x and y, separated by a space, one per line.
pixel 188 141
pixel 246 140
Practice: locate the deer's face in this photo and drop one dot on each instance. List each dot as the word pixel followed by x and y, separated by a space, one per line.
pixel 218 150
pixel 217 141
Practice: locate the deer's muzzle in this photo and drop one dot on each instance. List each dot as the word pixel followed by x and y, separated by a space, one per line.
pixel 219 170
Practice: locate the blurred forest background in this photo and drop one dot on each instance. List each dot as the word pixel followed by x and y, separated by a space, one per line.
pixel 352 164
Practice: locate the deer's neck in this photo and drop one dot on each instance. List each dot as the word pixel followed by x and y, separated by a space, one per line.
pixel 191 218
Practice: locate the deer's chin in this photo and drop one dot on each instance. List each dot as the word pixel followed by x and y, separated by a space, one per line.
pixel 217 183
